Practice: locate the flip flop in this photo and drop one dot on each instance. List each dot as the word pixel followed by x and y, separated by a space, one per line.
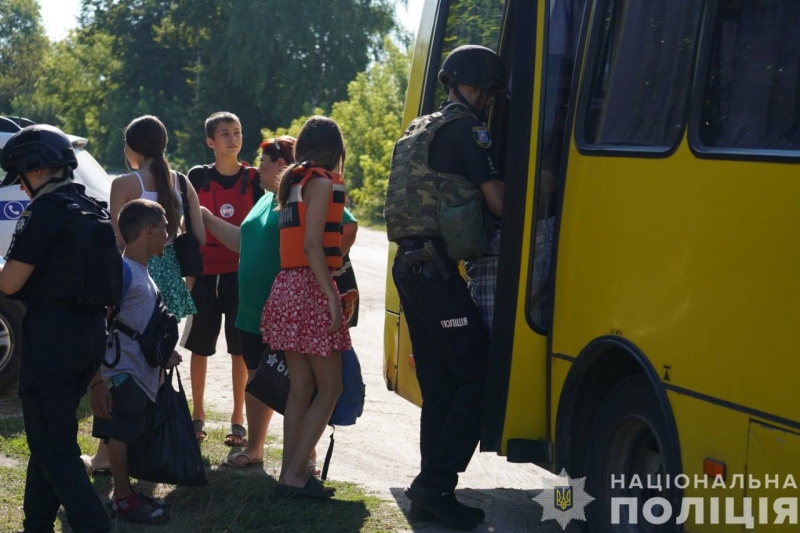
pixel 230 461
pixel 312 489
pixel 237 437
pixel 199 430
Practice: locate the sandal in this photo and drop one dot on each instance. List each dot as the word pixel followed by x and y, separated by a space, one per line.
pixel 234 462
pixel 199 429
pixel 237 437
pixel 140 511
pixel 312 489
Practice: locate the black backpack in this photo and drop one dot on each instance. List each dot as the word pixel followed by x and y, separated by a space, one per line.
pixel 159 338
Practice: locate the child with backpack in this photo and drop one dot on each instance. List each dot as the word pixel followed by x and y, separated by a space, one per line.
pixel 123 392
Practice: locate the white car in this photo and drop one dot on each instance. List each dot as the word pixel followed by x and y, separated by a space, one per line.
pixel 12 203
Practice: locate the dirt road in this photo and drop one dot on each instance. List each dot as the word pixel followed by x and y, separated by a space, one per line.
pixel 381 452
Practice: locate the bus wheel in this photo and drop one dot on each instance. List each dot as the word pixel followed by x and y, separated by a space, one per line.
pixel 628 440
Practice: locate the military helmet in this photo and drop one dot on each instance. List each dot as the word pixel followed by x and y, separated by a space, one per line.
pixel 36 147
pixel 473 65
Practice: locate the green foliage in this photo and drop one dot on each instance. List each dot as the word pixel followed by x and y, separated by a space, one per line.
pixel 371 121
pixel 77 78
pixel 23 48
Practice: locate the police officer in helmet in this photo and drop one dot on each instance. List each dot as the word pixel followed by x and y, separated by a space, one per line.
pixel 446 159
pixel 63 265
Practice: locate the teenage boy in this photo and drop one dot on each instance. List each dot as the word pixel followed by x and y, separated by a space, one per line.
pixel 228 189
pixel 123 397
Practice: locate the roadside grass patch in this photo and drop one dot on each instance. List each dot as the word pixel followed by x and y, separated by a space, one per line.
pixel 235 499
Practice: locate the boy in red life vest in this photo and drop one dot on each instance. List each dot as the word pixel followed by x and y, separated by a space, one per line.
pixel 229 189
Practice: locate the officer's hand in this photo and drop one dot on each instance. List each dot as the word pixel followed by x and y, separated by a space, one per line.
pixel 175 359
pixel 101 400
pixel 335 310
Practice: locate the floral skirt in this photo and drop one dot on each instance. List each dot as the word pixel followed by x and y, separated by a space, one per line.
pixel 296 316
pixel 166 272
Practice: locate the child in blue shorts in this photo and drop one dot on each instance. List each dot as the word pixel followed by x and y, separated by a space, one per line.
pixel 123 395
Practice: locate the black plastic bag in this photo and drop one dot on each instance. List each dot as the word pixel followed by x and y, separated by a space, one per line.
pixel 270 383
pixel 170 453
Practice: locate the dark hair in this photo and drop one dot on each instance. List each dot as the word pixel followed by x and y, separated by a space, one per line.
pixel 147 135
pixel 279 147
pixel 136 215
pixel 319 144
pixel 218 118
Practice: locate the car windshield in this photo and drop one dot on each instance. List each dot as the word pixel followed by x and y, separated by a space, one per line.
pixel 91 174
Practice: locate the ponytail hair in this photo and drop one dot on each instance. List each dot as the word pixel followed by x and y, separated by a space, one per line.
pixel 319 144
pixel 147 135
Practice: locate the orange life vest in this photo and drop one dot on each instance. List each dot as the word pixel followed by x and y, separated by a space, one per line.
pixel 293 220
pixel 232 206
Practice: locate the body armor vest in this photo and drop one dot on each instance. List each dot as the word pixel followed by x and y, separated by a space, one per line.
pixel 91 273
pixel 419 200
pixel 232 206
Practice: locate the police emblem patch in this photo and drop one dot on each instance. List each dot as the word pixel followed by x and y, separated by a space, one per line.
pixel 481 136
pixel 22 222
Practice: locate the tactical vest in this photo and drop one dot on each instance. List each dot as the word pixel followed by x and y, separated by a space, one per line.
pixel 91 273
pixel 293 220
pixel 420 201
pixel 232 206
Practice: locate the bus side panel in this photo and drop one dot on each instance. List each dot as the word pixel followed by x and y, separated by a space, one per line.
pixel 416 86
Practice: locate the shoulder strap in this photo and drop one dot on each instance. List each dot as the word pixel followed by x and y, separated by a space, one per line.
pixel 206 185
pixel 187 216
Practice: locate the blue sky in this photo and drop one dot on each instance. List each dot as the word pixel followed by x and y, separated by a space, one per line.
pixel 60 16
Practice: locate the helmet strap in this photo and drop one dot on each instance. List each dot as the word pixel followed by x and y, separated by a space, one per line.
pixel 52 181
pixel 481 115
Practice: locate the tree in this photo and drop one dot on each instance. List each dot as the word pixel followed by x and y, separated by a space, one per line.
pixel 371 120
pixel 23 48
pixel 73 91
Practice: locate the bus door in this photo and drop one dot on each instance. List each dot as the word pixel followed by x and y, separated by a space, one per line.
pixel 544 41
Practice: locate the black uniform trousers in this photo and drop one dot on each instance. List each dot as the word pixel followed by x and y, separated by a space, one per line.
pixel 63 346
pixel 450 346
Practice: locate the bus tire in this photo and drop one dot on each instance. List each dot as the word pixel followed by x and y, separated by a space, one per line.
pixel 10 342
pixel 629 438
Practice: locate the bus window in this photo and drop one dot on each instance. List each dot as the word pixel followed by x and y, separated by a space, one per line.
pixel 468 22
pixel 750 95
pixel 638 74
pixel 564 22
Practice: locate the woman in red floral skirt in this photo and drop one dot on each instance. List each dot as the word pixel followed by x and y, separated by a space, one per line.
pixel 303 315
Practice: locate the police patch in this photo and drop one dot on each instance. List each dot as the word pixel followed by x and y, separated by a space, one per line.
pixel 481 136
pixel 22 223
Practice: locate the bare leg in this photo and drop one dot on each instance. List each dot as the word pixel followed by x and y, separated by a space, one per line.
pixel 239 379
pixel 258 418
pixel 199 367
pixel 100 460
pixel 118 452
pixel 301 387
pixel 327 372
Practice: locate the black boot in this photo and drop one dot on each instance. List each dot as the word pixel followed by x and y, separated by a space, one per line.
pixel 442 506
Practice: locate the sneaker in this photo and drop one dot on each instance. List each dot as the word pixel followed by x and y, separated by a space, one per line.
pixel 133 509
pixel 417 513
pixel 443 506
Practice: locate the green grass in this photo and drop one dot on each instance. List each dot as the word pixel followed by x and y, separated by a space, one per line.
pixel 235 500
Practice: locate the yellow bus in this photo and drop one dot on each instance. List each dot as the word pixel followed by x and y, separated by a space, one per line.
pixel 647 319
